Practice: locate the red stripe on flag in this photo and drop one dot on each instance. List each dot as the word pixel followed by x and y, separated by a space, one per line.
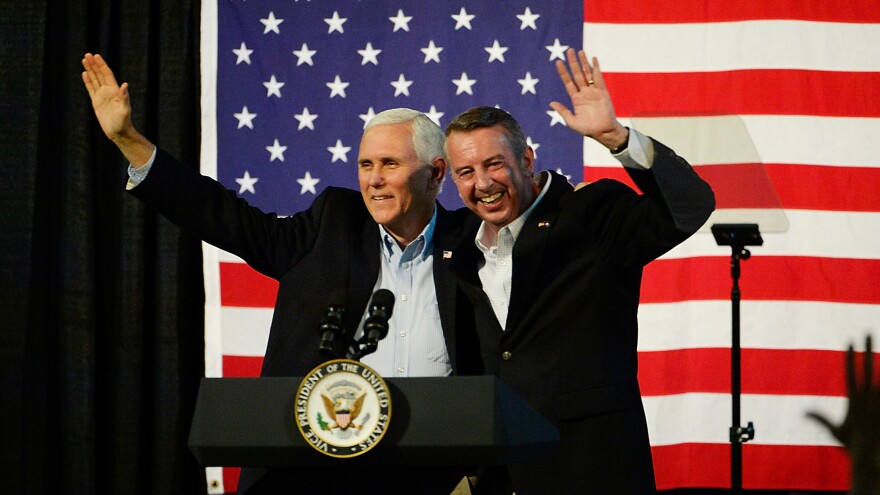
pixel 815 187
pixel 789 278
pixel 764 371
pixel 230 479
pixel 764 278
pixel 788 467
pixel 241 285
pixel 793 467
pixel 799 187
pixel 746 92
pixel 743 185
pixel 689 11
pixel 242 366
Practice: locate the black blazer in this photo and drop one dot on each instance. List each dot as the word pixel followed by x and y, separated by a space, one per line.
pixel 570 339
pixel 332 245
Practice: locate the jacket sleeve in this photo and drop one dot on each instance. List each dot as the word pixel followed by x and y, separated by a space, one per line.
pixel 204 208
pixel 673 184
pixel 634 229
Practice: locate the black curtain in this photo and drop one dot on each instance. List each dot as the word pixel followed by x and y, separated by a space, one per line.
pixel 102 301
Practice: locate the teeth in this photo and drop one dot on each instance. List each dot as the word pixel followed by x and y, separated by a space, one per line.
pixel 491 199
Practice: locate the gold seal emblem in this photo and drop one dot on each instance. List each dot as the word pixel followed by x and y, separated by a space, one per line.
pixel 343 408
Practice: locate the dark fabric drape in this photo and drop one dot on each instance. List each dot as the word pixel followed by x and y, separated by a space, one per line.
pixel 102 301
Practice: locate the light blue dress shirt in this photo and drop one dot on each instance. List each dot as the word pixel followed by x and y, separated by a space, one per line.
pixel 415 345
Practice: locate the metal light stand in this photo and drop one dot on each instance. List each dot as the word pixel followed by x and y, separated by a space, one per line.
pixel 737 236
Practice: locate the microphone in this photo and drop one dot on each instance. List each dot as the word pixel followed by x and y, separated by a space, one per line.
pixel 376 324
pixel 334 340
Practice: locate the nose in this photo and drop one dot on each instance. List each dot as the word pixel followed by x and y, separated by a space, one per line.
pixel 482 180
pixel 376 178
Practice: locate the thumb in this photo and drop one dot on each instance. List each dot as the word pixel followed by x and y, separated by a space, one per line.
pixel 562 110
pixel 823 421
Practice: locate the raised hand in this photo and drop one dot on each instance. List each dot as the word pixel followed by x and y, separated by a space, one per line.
pixel 592 113
pixel 860 431
pixel 113 109
pixel 109 99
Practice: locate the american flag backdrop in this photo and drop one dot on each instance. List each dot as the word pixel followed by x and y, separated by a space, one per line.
pixel 287 87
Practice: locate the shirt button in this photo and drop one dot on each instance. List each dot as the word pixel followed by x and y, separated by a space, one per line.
pixel 403 297
pixel 506 355
pixel 405 265
pixel 503 263
pixel 403 333
pixel 400 369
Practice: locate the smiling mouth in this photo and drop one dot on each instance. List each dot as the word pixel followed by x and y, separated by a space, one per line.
pixel 491 199
pixel 381 198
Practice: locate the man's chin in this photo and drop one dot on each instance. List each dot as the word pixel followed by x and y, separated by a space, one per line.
pixel 492 217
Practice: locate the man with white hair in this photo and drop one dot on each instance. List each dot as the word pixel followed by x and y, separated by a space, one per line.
pixel 388 237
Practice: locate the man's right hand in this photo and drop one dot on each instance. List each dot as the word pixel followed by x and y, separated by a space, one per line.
pixel 113 110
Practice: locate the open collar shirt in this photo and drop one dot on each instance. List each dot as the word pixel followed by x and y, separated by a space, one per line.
pixel 496 268
pixel 415 345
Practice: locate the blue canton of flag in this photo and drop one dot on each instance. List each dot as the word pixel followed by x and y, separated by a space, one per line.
pixel 297 81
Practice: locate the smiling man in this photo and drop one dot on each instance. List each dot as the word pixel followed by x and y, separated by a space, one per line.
pixel 399 188
pixel 389 236
pixel 555 274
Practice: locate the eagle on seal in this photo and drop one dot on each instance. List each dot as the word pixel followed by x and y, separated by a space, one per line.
pixel 343 410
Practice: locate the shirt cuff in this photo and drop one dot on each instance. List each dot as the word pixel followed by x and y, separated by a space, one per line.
pixel 137 175
pixel 639 152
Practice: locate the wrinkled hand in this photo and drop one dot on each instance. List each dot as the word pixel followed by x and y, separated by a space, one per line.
pixel 860 431
pixel 109 99
pixel 592 113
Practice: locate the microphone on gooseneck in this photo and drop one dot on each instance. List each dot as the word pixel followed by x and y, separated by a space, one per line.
pixel 334 340
pixel 376 324
pixel 381 307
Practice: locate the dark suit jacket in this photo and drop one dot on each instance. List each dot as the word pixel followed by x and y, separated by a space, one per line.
pixel 332 245
pixel 569 344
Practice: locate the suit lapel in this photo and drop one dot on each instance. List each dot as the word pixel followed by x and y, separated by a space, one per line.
pixel 444 283
pixel 363 272
pixel 464 261
pixel 529 251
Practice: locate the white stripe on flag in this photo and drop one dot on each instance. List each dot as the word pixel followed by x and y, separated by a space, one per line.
pixel 245 330
pixel 764 325
pixel 705 418
pixel 718 46
pixel 793 139
pixel 810 233
pixel 213 312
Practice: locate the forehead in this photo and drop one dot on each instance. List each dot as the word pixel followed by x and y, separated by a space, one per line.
pixel 391 140
pixel 478 144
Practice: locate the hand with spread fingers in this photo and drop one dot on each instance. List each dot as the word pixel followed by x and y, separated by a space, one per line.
pixel 592 113
pixel 860 431
pixel 112 107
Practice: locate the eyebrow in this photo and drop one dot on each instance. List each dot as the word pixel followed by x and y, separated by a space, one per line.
pixel 498 156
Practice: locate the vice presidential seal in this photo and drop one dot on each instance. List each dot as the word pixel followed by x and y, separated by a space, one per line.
pixel 343 408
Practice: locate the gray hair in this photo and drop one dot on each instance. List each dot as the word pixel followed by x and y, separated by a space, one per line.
pixel 482 117
pixel 428 138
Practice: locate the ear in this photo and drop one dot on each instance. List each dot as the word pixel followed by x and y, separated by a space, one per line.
pixel 438 170
pixel 529 160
